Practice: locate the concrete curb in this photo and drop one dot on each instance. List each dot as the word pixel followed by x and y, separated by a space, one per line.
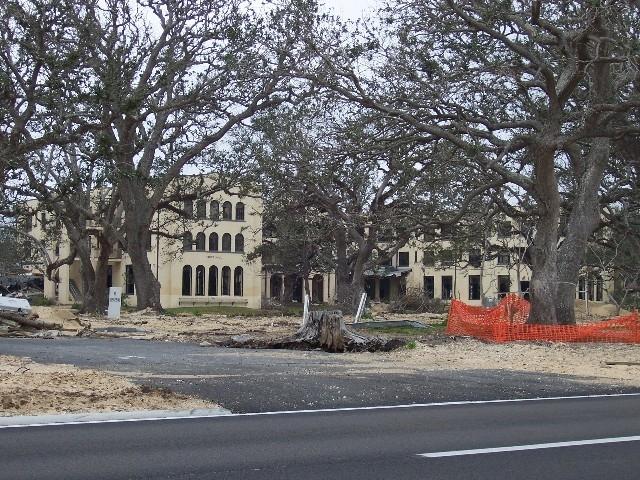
pixel 95 417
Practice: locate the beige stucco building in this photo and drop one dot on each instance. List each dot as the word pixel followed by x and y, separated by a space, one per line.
pixel 209 267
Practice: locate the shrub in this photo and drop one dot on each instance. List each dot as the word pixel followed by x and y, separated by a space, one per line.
pixel 415 301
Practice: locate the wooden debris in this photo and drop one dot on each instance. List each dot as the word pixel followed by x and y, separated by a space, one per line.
pixel 19 322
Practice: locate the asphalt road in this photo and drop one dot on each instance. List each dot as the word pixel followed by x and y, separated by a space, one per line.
pixel 268 380
pixel 357 444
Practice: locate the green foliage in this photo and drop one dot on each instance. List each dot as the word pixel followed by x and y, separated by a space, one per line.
pixel 40 301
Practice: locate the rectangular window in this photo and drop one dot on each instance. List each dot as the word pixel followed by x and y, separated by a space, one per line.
pixel 474 287
pixel 504 258
pixel 447 287
pixel 581 288
pixel 403 259
pixel 475 258
pixel 429 286
pixel 447 258
pixel 504 285
pixel 504 229
pixel 130 288
pixel 415 257
pixel 428 258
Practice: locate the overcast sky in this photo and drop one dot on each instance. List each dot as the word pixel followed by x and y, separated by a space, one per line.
pixel 351 9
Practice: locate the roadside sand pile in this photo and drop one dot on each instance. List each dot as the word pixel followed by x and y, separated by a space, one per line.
pixel 30 388
pixel 192 328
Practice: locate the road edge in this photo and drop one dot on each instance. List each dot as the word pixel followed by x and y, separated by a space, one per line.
pixel 106 417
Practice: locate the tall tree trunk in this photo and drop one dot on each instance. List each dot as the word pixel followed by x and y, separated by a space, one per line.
pixel 138 215
pixel 342 267
pixel 102 271
pixel 544 252
pixel 583 220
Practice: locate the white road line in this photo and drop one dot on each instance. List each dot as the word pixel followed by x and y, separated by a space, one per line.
pixel 329 410
pixel 535 446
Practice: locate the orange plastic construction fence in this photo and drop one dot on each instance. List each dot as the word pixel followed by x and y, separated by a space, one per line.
pixel 507 322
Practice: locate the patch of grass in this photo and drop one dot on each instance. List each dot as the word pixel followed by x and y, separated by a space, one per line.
pixel 40 301
pixel 230 311
pixel 411 345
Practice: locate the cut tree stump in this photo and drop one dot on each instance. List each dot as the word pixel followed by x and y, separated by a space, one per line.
pixel 325 330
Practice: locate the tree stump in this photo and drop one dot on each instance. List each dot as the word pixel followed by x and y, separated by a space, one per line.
pixel 326 330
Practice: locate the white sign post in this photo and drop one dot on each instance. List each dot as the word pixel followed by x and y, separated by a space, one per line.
pixel 363 301
pixel 115 301
pixel 305 310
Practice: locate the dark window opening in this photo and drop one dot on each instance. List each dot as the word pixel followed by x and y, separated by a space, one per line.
pixel 237 282
pixel 213 242
pixel 447 287
pixel 226 242
pixel 239 211
pixel 214 210
pixel 403 259
pixel 130 286
pixel 429 286
pixel 226 281
pixel 429 258
pixel 213 281
pixel 504 285
pixel 475 258
pixel 504 258
pixel 226 211
pixel 200 241
pixel 474 287
pixel 200 280
pixel 447 258
pixel 186 280
pixel 239 243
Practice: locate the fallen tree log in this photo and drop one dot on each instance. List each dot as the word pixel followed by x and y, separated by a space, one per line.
pixel 31 321
pixel 325 330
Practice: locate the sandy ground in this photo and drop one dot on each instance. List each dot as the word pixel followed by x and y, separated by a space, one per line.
pixel 588 360
pixel 30 388
pixel 433 350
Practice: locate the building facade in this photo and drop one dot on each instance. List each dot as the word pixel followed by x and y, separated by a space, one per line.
pixel 208 266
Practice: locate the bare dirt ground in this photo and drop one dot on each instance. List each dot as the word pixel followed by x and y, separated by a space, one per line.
pixel 616 364
pixel 30 388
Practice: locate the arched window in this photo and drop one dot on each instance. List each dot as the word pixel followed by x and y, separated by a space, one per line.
pixel 186 280
pixel 213 242
pixel 187 241
pixel 200 280
pixel 200 239
pixel 239 211
pixel 226 281
pixel 237 282
pixel 213 281
pixel 214 210
pixel 239 243
pixel 226 242
pixel 226 211
pixel 201 209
